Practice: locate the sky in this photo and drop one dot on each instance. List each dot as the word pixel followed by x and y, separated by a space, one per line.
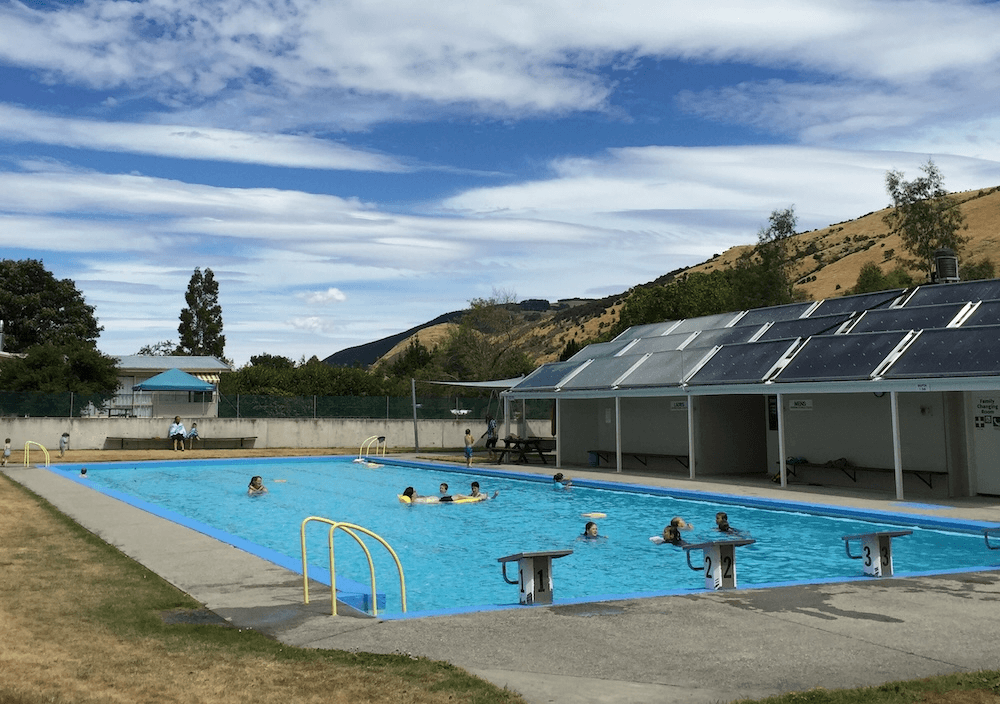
pixel 349 170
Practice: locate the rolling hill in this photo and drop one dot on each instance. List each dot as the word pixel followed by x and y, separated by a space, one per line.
pixel 826 263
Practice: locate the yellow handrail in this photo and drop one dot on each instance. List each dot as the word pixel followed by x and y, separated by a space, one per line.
pixel 366 446
pixel 348 528
pixel 27 455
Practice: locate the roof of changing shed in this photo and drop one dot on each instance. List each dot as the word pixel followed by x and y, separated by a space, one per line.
pixel 934 337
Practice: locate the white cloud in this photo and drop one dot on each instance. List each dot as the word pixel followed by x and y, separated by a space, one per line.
pixel 20 125
pixel 503 58
pixel 331 295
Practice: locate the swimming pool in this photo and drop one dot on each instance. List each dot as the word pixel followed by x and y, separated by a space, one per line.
pixel 449 552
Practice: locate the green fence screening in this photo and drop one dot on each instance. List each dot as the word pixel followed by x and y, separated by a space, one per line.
pixel 36 404
pixel 430 407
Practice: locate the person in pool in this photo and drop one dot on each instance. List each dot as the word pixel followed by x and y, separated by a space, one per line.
pixel 476 494
pixel 561 482
pixel 415 498
pixel 256 486
pixel 722 523
pixel 443 489
pixel 680 524
pixel 672 535
pixel 590 531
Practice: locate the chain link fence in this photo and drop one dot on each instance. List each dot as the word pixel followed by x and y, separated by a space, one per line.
pixel 72 405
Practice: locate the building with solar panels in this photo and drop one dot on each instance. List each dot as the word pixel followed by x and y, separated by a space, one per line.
pixel 890 391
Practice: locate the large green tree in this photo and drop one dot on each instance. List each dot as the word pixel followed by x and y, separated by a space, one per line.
pixel 51 368
pixel 484 346
pixel 36 308
pixel 201 322
pixel 923 215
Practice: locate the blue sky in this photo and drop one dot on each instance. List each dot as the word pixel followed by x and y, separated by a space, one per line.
pixel 349 170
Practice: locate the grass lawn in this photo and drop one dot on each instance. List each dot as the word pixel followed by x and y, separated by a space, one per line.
pixel 81 622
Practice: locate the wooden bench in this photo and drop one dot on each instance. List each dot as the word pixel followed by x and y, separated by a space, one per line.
pixel 201 443
pixel 924 475
pixel 642 457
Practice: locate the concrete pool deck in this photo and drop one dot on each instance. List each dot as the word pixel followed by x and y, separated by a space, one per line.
pixel 700 647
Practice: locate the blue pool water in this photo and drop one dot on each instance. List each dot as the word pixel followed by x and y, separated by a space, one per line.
pixel 449 551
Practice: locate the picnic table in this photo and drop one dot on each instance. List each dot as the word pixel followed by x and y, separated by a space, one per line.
pixel 516 450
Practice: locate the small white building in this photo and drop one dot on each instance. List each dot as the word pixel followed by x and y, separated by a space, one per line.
pixel 186 398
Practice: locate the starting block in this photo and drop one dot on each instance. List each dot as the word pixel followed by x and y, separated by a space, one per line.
pixel 719 562
pixel 534 574
pixel 876 551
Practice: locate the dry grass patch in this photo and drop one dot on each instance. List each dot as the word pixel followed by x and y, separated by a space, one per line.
pixel 80 622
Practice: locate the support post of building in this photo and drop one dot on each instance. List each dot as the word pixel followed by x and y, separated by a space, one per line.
pixel 618 434
pixel 559 443
pixel 897 453
pixel 691 453
pixel 413 394
pixel 782 468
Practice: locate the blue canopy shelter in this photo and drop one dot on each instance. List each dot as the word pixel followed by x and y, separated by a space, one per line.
pixel 173 380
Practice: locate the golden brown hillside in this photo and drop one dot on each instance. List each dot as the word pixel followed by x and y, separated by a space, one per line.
pixel 827 263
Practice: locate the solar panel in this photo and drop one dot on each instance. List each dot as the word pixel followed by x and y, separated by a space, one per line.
pixel 840 357
pixel 856 304
pixel 599 349
pixel 742 364
pixel 908 318
pixel 988 313
pixel 664 343
pixel 547 376
pixel 759 316
pixel 601 373
pixel 651 330
pixel 950 352
pixel 988 290
pixel 705 322
pixel 664 369
pixel 804 327
pixel 722 336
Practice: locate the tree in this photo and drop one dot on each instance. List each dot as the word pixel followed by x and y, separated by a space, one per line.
pixel 974 271
pixel 164 348
pixel 923 216
pixel 763 275
pixel 201 322
pixel 484 345
pixel 52 368
pixel 36 308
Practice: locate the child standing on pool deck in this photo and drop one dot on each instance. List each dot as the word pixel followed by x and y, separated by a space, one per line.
pixel 6 451
pixel 469 440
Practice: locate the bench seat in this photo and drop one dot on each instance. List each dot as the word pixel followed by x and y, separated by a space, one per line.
pixel 924 475
pixel 642 457
pixel 201 443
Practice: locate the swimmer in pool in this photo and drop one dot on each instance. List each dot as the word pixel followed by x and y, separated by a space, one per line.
pixel 680 524
pixel 475 492
pixel 722 523
pixel 443 489
pixel 590 531
pixel 256 486
pixel 561 482
pixel 415 498
pixel 672 535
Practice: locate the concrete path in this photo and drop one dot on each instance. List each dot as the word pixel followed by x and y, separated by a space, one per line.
pixel 699 648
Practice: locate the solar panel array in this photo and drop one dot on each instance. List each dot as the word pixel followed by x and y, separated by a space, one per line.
pixel 944 330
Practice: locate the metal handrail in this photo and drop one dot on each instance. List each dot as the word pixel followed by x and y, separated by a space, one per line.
pixel 27 455
pixel 366 446
pixel 348 528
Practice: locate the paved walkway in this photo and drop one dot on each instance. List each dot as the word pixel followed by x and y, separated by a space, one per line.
pixel 698 648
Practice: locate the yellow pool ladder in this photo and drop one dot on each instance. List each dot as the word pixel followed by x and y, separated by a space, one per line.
pixel 348 528
pixel 27 454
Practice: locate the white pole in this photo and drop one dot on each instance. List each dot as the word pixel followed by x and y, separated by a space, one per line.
pixel 781 443
pixel 413 393
pixel 618 434
pixel 897 453
pixel 691 453
pixel 558 434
